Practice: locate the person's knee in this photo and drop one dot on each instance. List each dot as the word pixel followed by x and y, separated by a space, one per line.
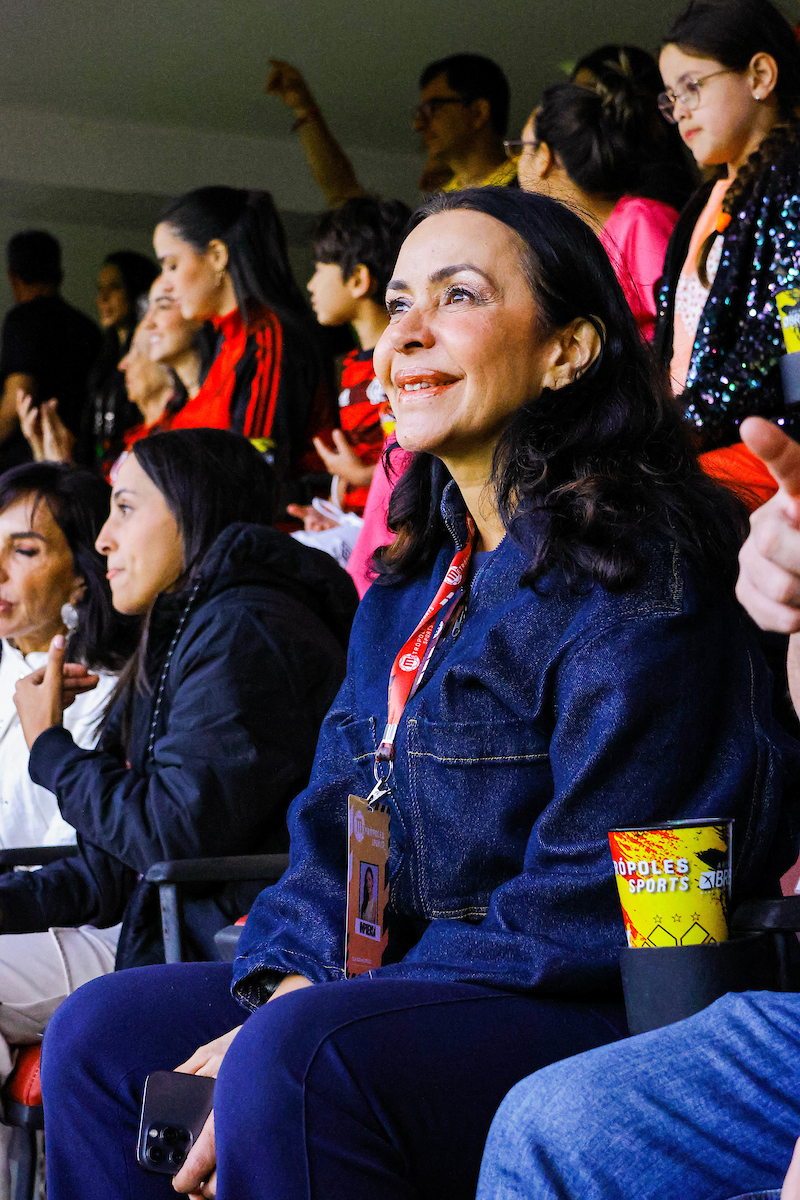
pixel 545 1108
pixel 84 1027
pixel 268 1062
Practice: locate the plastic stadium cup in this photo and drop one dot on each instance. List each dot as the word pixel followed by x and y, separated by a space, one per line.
pixel 674 882
pixel 788 304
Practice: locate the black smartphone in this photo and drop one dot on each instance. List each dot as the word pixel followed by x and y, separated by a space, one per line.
pixel 174 1111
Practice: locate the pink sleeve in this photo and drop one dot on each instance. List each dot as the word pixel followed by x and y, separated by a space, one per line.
pixel 636 236
pixel 374 532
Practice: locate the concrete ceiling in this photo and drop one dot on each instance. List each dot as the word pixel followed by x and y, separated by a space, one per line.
pixel 203 63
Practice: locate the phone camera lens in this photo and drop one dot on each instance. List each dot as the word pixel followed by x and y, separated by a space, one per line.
pixel 170 1135
pixel 156 1154
pixel 177 1158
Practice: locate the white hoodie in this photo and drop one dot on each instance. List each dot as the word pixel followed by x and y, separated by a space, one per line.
pixel 29 814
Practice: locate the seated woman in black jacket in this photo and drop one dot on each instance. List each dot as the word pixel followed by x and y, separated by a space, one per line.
pixel 212 728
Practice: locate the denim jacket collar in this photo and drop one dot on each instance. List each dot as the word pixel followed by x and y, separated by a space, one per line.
pixel 454 514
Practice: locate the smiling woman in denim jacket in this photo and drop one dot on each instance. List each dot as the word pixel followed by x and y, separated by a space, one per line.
pixel 598 673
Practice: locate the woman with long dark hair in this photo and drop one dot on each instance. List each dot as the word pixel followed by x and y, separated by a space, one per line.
pixel 214 718
pixel 564 655
pixel 732 75
pixel 52 582
pixel 211 728
pixel 582 146
pixel 224 259
pixel 50 573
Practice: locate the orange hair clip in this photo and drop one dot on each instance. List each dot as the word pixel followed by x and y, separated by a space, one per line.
pixel 723 221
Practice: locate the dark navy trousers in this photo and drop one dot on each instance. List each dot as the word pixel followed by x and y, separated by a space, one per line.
pixel 368 1088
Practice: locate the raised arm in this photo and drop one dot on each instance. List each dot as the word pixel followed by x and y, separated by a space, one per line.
pixel 769 562
pixel 332 170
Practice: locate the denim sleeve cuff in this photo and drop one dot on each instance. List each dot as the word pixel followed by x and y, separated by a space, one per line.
pixel 257 987
pixel 48 754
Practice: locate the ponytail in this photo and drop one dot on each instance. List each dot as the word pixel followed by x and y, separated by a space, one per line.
pixel 249 225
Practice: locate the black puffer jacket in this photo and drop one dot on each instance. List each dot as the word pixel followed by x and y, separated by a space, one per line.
pixel 213 765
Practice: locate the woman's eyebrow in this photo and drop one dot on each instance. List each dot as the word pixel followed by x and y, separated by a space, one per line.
pixel 400 285
pixel 28 533
pixel 123 491
pixel 446 273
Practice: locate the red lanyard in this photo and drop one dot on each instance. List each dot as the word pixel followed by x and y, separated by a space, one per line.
pixel 412 661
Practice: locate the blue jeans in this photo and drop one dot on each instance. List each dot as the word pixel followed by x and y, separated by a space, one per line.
pixel 371 1087
pixel 705 1109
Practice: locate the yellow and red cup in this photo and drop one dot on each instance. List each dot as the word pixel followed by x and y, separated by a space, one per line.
pixel 674 882
pixel 788 305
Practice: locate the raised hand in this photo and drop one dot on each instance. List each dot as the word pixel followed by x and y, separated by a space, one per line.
pixel 58 441
pixel 30 421
pixel 769 561
pixel 313 521
pixel 286 82
pixel 342 461
pixel 42 696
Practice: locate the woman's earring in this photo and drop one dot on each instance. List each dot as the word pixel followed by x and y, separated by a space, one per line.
pixel 70 617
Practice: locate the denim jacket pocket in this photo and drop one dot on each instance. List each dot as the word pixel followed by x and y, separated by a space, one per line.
pixel 360 738
pixel 475 790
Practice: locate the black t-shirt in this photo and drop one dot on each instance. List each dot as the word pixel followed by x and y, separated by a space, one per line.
pixel 55 344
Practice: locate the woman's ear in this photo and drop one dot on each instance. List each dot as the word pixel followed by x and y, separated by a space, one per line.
pixel 763 75
pixel 217 255
pixel 543 161
pixel 574 349
pixel 78 590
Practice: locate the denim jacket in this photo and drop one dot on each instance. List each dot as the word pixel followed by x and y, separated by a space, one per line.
pixel 545 719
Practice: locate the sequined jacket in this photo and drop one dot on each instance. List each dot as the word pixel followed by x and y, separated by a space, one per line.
pixel 545 718
pixel 734 369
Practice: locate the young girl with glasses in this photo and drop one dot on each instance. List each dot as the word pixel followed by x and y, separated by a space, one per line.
pixel 732 75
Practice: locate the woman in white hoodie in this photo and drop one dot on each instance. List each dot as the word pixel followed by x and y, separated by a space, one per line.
pixel 52 580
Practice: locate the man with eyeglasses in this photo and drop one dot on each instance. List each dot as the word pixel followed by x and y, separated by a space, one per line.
pixel 462 118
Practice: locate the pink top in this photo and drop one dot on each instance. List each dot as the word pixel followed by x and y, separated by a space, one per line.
pixel 635 237
pixel 375 532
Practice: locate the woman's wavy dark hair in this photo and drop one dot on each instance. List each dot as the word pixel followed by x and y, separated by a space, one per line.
pixel 732 32
pixel 78 501
pixel 210 479
pixel 584 475
pixel 249 225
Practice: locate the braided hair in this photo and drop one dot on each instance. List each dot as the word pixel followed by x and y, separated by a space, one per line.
pixel 732 32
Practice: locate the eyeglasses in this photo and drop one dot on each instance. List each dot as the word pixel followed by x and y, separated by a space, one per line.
pixel 688 96
pixel 515 149
pixel 429 108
